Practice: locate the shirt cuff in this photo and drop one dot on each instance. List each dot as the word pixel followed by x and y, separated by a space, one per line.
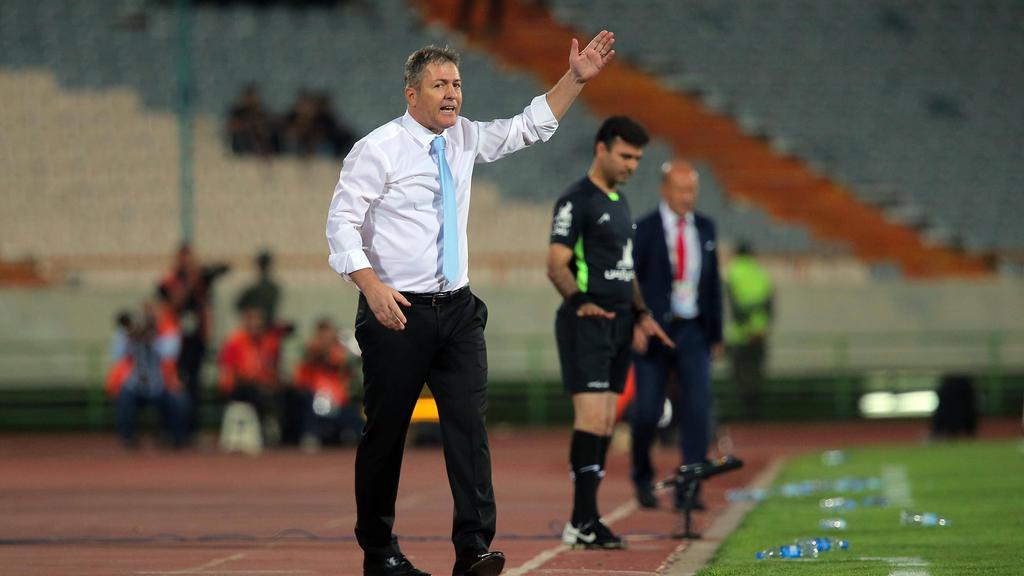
pixel 543 118
pixel 345 263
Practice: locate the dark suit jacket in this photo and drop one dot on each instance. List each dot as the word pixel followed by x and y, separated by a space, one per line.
pixel 654 273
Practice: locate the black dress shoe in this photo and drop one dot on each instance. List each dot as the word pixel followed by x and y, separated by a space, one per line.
pixel 486 564
pixel 646 498
pixel 393 565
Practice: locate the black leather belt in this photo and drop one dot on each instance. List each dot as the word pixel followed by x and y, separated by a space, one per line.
pixel 436 298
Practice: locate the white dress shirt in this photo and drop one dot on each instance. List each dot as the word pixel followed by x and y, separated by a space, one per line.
pixel 684 293
pixel 386 210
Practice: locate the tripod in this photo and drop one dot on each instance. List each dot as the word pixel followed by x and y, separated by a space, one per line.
pixel 687 477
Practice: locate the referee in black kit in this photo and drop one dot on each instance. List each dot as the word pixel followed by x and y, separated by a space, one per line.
pixel 590 262
pixel 397 229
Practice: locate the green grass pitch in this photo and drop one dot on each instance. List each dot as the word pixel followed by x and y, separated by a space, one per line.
pixel 978 486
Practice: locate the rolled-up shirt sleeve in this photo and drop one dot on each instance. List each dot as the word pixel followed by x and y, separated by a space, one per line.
pixel 499 138
pixel 362 179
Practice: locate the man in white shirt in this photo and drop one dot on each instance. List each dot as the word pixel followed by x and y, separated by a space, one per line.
pixel 397 229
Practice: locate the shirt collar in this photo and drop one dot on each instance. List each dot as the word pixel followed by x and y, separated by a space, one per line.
pixel 419 132
pixel 670 218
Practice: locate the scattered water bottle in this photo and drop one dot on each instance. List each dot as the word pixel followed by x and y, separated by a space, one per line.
pixel 922 519
pixel 802 549
pixel 856 484
pixel 837 504
pixel 826 544
pixel 800 489
pixel 874 502
pixel 805 548
pixel 833 457
pixel 832 524
pixel 746 495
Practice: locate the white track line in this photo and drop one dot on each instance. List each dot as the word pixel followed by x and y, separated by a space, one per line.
pixel 544 557
pixel 202 568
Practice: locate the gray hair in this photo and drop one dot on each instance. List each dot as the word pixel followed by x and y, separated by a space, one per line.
pixel 420 59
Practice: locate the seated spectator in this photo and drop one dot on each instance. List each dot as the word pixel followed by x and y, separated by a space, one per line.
pixel 324 379
pixel 251 129
pixel 145 353
pixel 311 128
pixel 249 368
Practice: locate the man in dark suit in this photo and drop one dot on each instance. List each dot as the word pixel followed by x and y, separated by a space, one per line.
pixel 676 261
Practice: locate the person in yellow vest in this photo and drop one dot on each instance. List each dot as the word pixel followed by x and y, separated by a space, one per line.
pixel 751 298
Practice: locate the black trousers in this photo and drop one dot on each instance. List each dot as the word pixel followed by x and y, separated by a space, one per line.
pixel 443 346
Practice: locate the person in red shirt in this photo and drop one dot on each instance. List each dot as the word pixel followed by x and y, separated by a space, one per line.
pixel 324 379
pixel 249 362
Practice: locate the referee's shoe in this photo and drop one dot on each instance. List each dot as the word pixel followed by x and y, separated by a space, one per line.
pixel 593 535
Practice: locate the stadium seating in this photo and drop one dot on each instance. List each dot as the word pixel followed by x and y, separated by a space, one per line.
pixel 102 141
pixel 916 97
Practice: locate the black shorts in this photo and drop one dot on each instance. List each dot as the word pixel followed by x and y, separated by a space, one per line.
pixel 594 352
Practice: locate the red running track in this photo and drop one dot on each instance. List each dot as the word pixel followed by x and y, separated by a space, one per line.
pixel 79 504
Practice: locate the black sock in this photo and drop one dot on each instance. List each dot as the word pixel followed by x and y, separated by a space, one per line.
pixel 584 457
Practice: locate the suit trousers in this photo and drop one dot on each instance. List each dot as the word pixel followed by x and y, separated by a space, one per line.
pixel 443 346
pixel 691 361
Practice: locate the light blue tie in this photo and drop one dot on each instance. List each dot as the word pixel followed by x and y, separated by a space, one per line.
pixel 450 222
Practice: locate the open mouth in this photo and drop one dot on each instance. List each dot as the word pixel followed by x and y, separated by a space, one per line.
pixel 448 108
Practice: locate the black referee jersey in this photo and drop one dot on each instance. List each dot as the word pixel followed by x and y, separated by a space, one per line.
pixel 599 228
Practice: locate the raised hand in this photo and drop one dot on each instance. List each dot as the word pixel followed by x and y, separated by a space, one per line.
pixel 588 63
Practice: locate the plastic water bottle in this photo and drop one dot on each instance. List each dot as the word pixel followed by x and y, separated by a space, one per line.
pixel 802 549
pixel 806 548
pixel 833 457
pixel 922 519
pixel 826 544
pixel 832 524
pixel 874 502
pixel 749 495
pixel 837 504
pixel 823 543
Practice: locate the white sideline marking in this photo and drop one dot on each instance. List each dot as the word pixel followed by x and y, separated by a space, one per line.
pixel 544 557
pixel 537 561
pixel 902 565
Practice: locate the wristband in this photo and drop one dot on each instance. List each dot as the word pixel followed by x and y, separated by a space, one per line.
pixel 639 312
pixel 578 299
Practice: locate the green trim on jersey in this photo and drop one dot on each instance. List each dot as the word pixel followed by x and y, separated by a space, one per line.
pixel 582 272
pixel 613 196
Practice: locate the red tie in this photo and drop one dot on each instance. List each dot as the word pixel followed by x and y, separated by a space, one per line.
pixel 681 249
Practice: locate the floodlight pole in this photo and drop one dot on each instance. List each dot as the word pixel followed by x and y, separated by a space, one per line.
pixel 184 112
